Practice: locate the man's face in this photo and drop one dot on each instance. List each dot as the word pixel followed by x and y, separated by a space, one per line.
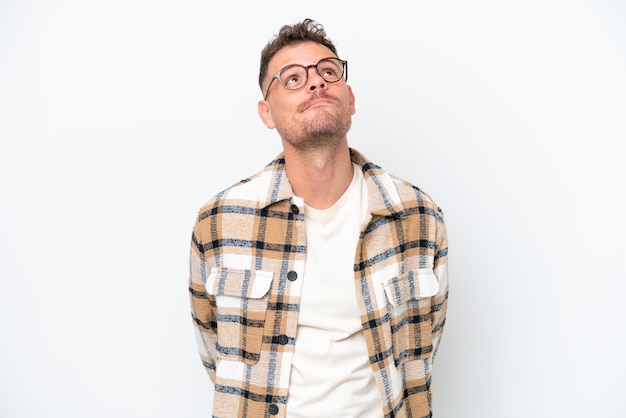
pixel 314 115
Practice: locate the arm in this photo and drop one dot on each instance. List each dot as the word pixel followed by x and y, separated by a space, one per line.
pixel 439 305
pixel 202 313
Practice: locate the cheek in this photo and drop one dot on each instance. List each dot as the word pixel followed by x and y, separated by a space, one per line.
pixel 278 121
pixel 284 113
pixel 283 123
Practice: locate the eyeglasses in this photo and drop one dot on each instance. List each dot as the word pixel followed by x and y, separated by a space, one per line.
pixel 295 76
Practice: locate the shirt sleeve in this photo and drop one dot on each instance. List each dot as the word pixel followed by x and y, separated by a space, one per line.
pixel 439 304
pixel 202 312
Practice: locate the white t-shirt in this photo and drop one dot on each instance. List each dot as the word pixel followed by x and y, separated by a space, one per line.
pixel 331 374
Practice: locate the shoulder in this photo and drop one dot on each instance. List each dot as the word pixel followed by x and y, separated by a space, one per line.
pixel 391 194
pixel 242 190
pixel 413 196
pixel 257 191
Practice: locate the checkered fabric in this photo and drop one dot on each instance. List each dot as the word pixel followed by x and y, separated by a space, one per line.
pixel 247 259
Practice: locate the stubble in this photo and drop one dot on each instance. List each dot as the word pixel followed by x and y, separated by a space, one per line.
pixel 317 127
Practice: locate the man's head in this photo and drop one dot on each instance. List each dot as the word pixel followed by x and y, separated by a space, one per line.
pixel 307 30
pixel 311 105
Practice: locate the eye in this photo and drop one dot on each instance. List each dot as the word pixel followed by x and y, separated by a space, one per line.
pixel 292 77
pixel 330 70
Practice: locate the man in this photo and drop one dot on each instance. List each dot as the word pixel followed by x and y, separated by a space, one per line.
pixel 319 285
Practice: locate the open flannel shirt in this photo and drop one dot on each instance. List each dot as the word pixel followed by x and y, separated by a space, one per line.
pixel 248 252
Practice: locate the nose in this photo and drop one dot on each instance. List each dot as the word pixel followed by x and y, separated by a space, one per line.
pixel 315 81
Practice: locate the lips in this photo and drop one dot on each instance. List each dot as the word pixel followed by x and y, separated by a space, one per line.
pixel 318 99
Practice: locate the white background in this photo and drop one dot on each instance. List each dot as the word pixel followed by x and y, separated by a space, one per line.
pixel 119 118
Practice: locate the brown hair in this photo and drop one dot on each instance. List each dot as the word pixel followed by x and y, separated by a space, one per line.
pixel 307 30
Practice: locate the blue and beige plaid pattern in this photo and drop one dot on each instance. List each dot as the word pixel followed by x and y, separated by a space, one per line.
pixel 247 259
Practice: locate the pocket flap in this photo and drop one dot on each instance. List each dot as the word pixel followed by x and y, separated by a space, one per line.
pixel 411 285
pixel 242 283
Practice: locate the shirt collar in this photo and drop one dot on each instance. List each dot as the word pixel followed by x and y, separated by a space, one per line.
pixel 383 198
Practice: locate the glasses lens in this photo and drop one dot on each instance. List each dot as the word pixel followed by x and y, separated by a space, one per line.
pixel 293 77
pixel 331 69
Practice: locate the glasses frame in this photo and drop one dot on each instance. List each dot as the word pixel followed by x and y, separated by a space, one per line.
pixel 344 74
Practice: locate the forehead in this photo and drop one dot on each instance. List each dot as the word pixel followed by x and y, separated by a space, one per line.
pixel 304 53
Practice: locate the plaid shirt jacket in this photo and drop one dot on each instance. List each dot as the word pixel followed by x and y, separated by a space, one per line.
pixel 247 259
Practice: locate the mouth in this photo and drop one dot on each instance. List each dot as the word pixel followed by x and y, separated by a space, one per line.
pixel 316 101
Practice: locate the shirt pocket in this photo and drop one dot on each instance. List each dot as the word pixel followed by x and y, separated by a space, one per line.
pixel 409 297
pixel 241 298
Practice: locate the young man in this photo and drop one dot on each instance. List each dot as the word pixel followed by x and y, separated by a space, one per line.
pixel 319 285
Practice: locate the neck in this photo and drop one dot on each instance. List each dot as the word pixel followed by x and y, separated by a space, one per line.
pixel 320 176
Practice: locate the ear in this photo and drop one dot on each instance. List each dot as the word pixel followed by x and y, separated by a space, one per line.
pixel 266 114
pixel 352 100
